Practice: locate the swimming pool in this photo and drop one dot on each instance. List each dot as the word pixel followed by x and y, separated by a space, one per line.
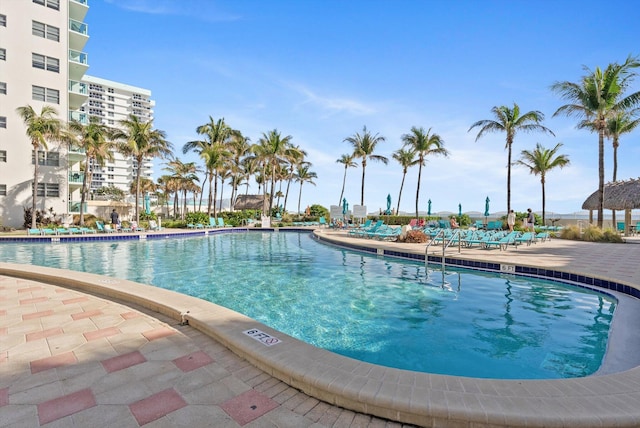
pixel 388 312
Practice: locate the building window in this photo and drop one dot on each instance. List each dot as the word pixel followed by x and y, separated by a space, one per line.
pixel 110 177
pixel 45 31
pixel 48 190
pixel 110 114
pixel 3 54
pixel 3 190
pixel 53 4
pixel 3 88
pixel 3 121
pixel 45 62
pixel 47 158
pixel 3 156
pixel 110 90
pixel 3 20
pixel 111 98
pixel 49 95
pixel 111 122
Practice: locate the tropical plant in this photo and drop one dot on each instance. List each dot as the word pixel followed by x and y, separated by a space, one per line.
pixel 140 141
pixel 598 97
pixel 303 175
pixel 406 159
pixel 347 161
pixel 539 162
pixel 423 144
pixel 363 147
pixel 95 139
pixel 182 179
pixel 510 121
pixel 271 150
pixel 41 128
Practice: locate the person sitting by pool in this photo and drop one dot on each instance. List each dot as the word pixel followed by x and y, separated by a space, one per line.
pixel 453 223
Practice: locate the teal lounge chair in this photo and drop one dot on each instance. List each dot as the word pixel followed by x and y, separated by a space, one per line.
pixel 32 232
pixel 62 231
pixel 502 243
pixel 212 223
pixel 75 231
pixel 526 238
pixel 191 226
pixel 221 223
pixel 48 231
pixel 85 230
pixel 322 222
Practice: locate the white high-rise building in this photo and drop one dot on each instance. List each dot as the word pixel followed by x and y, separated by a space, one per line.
pixel 112 102
pixel 43 62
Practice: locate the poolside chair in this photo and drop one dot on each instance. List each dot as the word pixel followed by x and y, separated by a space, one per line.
pixel 48 231
pixel 153 225
pixel 32 232
pixel 502 243
pixel 75 231
pixel 62 231
pixel 191 226
pixel 85 230
pixel 322 222
pixel 620 227
pixel 479 224
pixel 136 228
pixel 108 228
pixel 221 223
pixel 212 223
pixel 526 238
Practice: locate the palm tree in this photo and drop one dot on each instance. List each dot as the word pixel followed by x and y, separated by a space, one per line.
pixel 347 161
pixel 214 157
pixel 621 123
pixel 596 99
pixel 540 161
pixel 239 147
pixel 303 175
pixel 272 149
pixel 40 128
pixel 141 141
pixel 215 133
pixel 294 160
pixel 95 139
pixel 423 144
pixel 183 177
pixel 510 121
pixel 406 159
pixel 363 147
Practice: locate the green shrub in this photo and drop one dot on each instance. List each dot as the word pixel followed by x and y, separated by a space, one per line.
pixel 610 235
pixel 571 232
pixel 592 234
pixel 198 217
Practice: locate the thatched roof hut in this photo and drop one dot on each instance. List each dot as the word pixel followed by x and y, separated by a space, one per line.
pixel 249 202
pixel 619 196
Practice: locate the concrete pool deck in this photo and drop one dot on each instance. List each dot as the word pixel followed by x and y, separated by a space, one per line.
pixel 78 349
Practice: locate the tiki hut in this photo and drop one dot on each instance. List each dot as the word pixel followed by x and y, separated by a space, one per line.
pixel 249 202
pixel 619 196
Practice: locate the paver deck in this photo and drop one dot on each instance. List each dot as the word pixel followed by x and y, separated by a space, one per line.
pixel 79 351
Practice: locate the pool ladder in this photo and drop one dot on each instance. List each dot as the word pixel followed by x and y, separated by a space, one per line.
pixel 445 244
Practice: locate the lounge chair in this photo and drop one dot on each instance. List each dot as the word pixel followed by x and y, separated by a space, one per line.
pixel 322 222
pixel 153 225
pixel 502 243
pixel 109 229
pixel 85 230
pixel 221 223
pixel 48 231
pixel 62 231
pixel 32 232
pixel 526 238
pixel 136 228
pixel 191 226
pixel 212 223
pixel 75 231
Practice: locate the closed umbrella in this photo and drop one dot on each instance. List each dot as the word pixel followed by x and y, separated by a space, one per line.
pixel 486 207
pixel 429 208
pixel 459 210
pixel 147 203
pixel 388 212
pixel 345 206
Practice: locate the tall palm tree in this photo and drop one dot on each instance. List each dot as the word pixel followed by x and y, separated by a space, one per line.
pixel 595 99
pixel 239 148
pixel 41 128
pixel 95 139
pixel 539 162
pixel 423 144
pixel 303 175
pixel 406 159
pixel 621 122
pixel 363 147
pixel 272 149
pixel 510 121
pixel 214 157
pixel 294 160
pixel 183 175
pixel 347 161
pixel 141 141
pixel 215 133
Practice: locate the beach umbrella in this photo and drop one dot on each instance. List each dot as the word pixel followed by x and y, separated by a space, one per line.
pixel 388 212
pixel 345 206
pixel 486 207
pixel 147 203
pixel 459 210
pixel 429 208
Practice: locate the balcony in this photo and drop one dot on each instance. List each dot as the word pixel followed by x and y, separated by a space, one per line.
pixel 78 94
pixel 74 207
pixel 78 64
pixel 79 117
pixel 78 9
pixel 76 177
pixel 78 34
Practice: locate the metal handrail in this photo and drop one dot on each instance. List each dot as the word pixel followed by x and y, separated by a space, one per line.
pixel 445 245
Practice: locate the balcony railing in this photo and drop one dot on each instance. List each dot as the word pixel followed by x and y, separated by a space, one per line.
pixel 84 2
pixel 78 87
pixel 76 177
pixel 79 57
pixel 74 207
pixel 78 27
pixel 79 116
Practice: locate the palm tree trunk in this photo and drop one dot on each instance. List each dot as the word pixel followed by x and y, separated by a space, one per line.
pixel 509 177
pixel 35 190
pixel 600 177
pixel 418 187
pixel 138 188
pixel 83 191
pixel 364 167
pixel 400 193
pixel 286 195
pixel 210 201
pixel 615 175
pixel 344 181
pixel 299 197
pixel 543 200
pixel 215 194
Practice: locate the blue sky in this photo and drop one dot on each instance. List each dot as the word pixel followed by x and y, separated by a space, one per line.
pixel 320 70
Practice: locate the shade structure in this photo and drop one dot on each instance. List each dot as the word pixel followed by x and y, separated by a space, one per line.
pixel 618 195
pixel 486 207
pixel 249 202
pixel 429 208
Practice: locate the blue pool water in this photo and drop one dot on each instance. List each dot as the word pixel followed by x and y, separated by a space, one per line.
pixel 389 312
